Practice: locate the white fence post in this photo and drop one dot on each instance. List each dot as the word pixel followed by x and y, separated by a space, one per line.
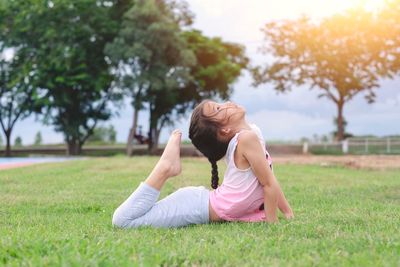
pixel 366 145
pixel 345 146
pixel 388 145
pixel 305 147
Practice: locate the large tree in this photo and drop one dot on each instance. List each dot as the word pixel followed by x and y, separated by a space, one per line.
pixel 218 65
pixel 152 58
pixel 17 94
pixel 337 56
pixel 168 67
pixel 17 97
pixel 65 42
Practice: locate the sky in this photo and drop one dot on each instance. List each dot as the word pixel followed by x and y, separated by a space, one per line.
pixel 287 117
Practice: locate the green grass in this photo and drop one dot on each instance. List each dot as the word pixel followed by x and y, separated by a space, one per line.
pixel 60 215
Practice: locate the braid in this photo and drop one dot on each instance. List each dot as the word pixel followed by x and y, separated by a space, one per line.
pixel 203 132
pixel 214 174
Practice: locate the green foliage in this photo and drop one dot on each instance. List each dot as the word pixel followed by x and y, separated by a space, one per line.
pixel 38 139
pixel 16 91
pixel 103 134
pixel 112 134
pixel 60 67
pixel 60 214
pixel 65 40
pixel 152 58
pixel 218 65
pixel 18 141
pixel 167 68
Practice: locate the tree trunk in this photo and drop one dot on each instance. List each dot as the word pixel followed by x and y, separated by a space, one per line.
pixel 152 148
pixel 156 137
pixel 340 124
pixel 74 147
pixel 8 145
pixel 132 131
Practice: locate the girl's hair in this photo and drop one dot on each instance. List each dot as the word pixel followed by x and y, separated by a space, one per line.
pixel 203 132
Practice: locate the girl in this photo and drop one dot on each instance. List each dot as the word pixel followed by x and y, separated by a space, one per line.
pixel 249 192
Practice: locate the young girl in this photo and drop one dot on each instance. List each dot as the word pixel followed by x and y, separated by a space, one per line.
pixel 249 192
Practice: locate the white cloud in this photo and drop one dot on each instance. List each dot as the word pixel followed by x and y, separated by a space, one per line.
pixel 287 125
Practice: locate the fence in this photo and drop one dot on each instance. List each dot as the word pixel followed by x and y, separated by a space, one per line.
pixel 186 150
pixel 356 145
pixel 348 146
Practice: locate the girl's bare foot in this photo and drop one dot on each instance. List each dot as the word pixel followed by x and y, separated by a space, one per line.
pixel 170 162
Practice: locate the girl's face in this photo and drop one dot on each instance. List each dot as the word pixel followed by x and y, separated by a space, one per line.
pixel 227 113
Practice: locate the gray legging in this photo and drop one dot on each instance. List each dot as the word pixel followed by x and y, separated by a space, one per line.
pixel 188 205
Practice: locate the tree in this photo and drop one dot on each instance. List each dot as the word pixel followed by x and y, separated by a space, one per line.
pixel 38 139
pixel 152 58
pixel 16 96
pixel 344 122
pixel 170 69
pixel 111 134
pixel 65 40
pixel 103 134
pixel 18 141
pixel 218 65
pixel 335 56
pixel 324 138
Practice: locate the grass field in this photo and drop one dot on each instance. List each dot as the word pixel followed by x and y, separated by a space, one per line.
pixel 60 215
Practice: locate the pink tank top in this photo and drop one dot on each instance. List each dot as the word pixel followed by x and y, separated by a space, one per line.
pixel 240 196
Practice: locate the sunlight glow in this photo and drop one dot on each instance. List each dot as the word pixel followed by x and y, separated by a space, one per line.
pixel 372 4
pixel 240 21
pixel 273 9
pixel 369 5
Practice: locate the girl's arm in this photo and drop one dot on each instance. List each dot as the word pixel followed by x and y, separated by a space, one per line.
pixel 252 151
pixel 284 206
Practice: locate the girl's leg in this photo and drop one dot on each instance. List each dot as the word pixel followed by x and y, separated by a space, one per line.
pixel 173 211
pixel 169 164
pixel 188 205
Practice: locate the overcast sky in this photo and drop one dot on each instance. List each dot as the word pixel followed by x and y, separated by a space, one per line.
pixel 280 116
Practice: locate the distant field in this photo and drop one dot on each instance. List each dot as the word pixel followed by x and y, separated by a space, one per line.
pixel 60 215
